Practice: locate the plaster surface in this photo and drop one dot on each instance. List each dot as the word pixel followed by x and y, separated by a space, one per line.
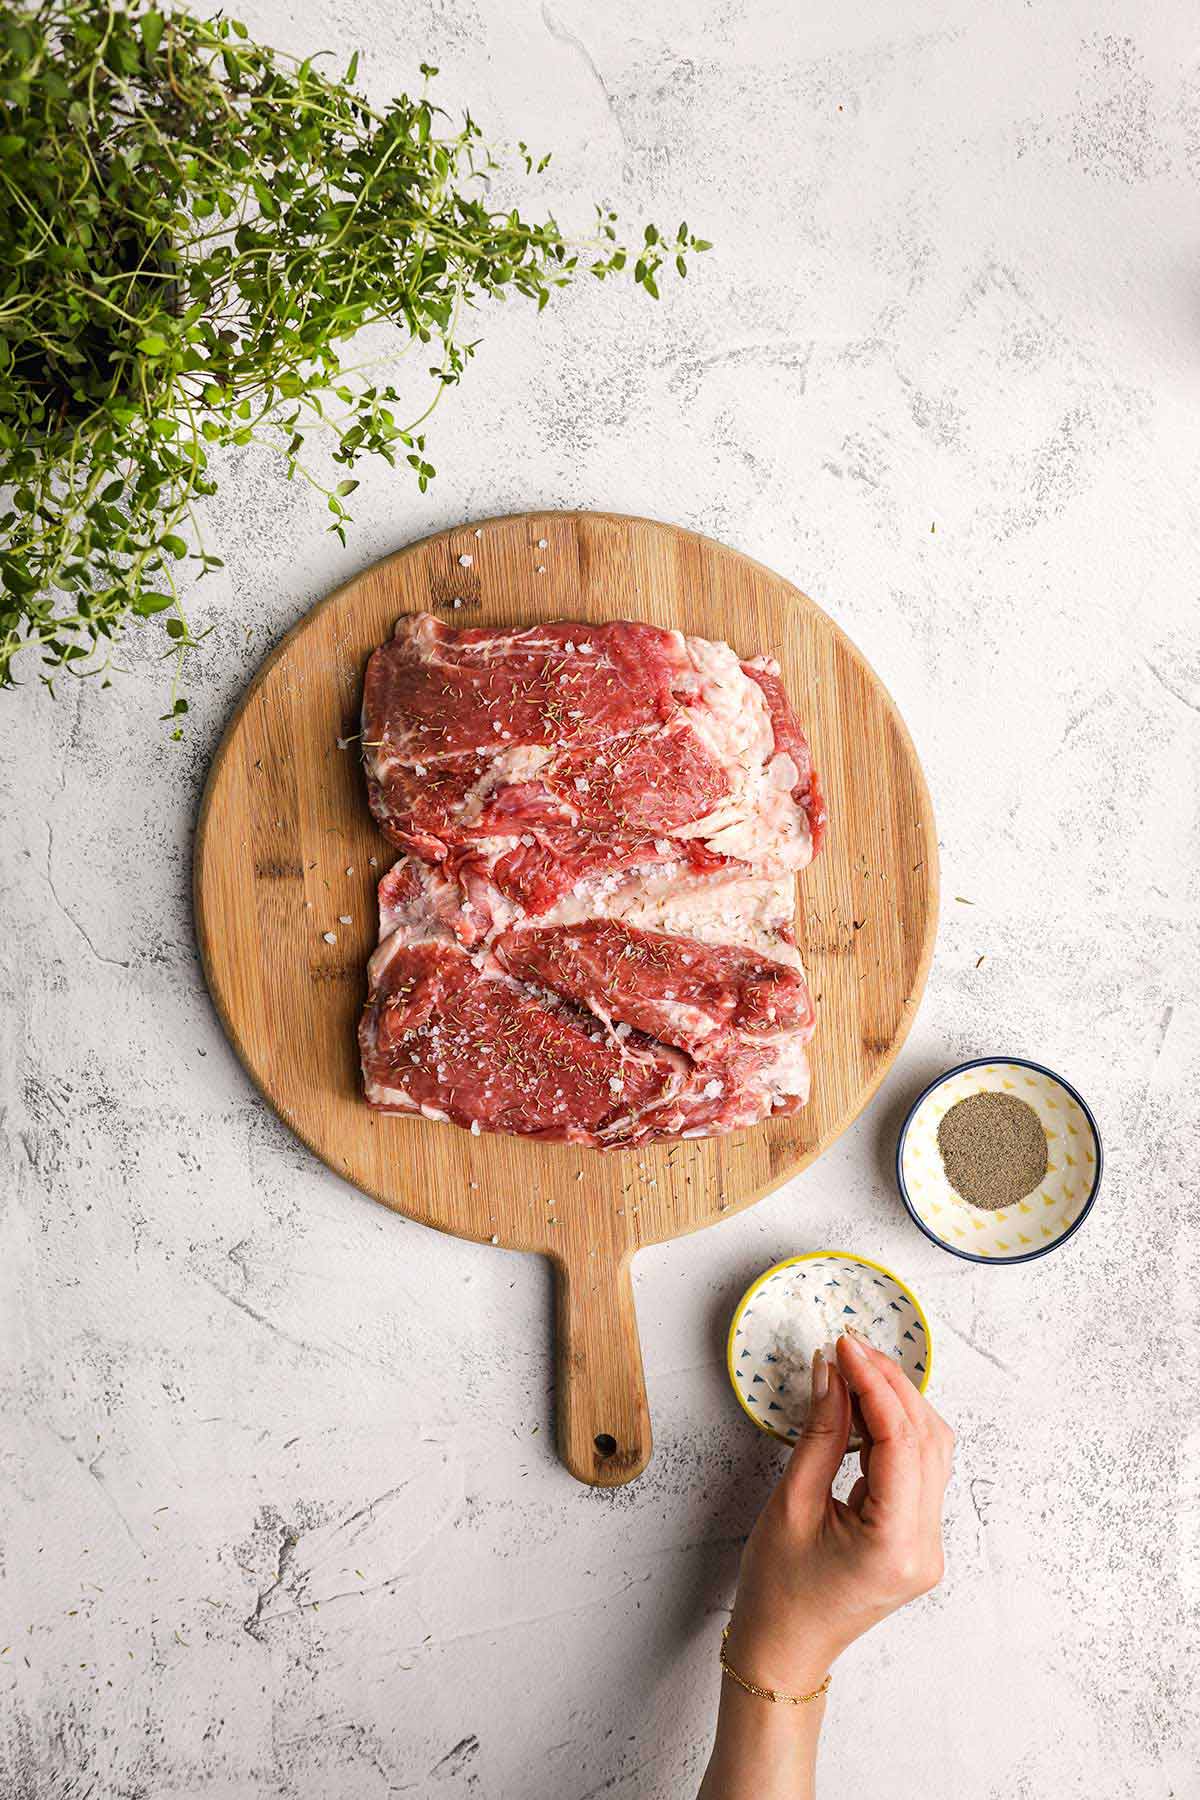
pixel 943 370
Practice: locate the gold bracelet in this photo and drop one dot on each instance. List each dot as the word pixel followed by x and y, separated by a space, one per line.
pixel 763 1693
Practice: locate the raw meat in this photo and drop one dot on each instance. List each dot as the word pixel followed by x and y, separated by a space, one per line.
pixel 591 936
pixel 453 1035
pixel 534 759
pixel 680 992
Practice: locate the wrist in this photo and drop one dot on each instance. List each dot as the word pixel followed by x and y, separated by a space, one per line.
pixel 791 1659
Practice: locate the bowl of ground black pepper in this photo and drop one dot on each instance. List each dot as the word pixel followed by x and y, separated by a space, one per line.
pixel 999 1160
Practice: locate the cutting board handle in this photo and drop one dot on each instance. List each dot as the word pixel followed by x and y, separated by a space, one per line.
pixel 603 1417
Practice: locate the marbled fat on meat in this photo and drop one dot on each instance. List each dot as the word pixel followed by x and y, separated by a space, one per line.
pixel 536 758
pixel 590 936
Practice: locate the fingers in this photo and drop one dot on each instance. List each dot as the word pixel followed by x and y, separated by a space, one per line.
pixel 819 1452
pixel 894 1468
pixel 856 1496
pixel 933 1433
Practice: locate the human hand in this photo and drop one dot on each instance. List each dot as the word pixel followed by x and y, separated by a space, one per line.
pixel 818 1572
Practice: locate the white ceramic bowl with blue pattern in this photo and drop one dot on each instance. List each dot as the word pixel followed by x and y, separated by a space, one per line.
pixel 893 1319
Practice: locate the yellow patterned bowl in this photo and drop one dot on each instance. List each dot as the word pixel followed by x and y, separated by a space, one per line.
pixel 894 1319
pixel 1045 1218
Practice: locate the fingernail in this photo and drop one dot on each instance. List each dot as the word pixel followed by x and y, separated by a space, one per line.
pixel 820 1376
pixel 854 1341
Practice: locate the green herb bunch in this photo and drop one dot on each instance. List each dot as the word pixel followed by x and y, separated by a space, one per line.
pixel 193 228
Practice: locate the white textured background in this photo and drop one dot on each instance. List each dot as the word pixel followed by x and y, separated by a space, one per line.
pixel 956 285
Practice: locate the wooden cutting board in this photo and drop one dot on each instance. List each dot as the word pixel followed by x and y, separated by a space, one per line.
pixel 286 851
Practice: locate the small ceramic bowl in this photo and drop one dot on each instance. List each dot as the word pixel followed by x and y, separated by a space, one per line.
pixel 748 1357
pixel 1045 1218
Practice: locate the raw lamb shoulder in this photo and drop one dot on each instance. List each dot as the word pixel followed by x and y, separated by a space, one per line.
pixel 590 936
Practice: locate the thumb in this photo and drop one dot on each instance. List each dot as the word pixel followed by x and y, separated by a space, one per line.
pixel 819 1451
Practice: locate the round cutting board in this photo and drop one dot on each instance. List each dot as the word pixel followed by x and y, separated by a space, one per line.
pixel 287 854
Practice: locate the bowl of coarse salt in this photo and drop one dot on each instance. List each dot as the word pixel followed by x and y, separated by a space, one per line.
pixel 805 1304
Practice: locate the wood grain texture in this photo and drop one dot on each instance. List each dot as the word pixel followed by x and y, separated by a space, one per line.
pixel 285 845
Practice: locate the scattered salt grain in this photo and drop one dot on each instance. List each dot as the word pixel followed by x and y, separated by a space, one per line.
pixel 464 561
pixel 479 531
pixel 374 861
pixel 541 568
pixel 494 1238
pixel 350 870
pixel 542 542
pixel 475 1127
pixel 456 604
pixel 345 919
pixel 330 937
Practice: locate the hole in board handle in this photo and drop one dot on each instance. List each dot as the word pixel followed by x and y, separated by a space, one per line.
pixel 605 1444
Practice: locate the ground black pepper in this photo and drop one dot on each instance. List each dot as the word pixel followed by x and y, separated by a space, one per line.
pixel 994 1149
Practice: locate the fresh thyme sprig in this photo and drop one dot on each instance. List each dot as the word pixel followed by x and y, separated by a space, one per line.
pixel 193 228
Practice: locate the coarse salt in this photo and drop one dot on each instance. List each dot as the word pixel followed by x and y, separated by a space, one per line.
pixel 789 1319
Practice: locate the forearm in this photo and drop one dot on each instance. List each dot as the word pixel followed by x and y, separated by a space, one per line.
pixel 763 1751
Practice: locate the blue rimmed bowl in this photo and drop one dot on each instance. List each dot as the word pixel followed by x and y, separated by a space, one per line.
pixel 1044 1219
